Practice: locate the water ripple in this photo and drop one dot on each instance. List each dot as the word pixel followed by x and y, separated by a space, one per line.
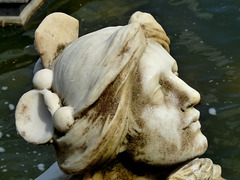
pixel 194 44
pixel 193 6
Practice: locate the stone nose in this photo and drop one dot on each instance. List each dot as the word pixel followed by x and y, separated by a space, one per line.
pixel 185 96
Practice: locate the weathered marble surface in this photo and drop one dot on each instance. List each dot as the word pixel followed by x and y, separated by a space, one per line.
pixel 50 42
pixel 111 91
pixel 201 169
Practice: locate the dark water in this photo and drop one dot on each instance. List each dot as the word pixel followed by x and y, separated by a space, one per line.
pixel 205 38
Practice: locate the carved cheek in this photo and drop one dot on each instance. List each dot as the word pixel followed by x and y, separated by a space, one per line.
pixel 163 121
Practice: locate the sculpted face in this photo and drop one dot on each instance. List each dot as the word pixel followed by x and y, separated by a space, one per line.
pixel 162 106
pixel 109 91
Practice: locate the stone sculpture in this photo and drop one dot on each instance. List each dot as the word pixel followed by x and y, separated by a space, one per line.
pixel 110 92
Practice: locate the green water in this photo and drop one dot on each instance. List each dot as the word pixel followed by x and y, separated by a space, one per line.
pixel 204 37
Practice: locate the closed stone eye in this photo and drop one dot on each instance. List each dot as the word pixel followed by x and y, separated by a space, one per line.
pixel 161 83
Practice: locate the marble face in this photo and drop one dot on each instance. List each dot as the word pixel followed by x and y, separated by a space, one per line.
pixel 110 91
pixel 163 107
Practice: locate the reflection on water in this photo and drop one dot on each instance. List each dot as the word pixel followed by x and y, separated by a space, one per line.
pixel 193 5
pixel 196 45
pixel 204 41
pixel 17 58
pixel 106 10
pixel 99 14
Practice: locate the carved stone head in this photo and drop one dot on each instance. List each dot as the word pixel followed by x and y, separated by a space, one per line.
pixel 110 91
